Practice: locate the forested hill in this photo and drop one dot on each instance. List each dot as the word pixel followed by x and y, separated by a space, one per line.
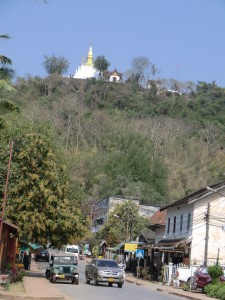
pixel 120 139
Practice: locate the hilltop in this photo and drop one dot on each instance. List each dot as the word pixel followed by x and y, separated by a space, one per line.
pixel 121 139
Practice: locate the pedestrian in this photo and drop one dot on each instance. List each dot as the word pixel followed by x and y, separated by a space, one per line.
pixel 26 261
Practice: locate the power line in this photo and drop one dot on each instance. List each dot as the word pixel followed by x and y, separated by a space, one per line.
pixel 191 172
pixel 197 161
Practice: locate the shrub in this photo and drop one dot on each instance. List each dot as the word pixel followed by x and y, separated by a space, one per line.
pixel 215 290
pixel 215 272
pixel 146 273
pixel 16 274
pixel 220 293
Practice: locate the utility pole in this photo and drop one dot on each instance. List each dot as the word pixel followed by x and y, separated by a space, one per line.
pixel 92 210
pixel 131 225
pixel 218 257
pixel 206 234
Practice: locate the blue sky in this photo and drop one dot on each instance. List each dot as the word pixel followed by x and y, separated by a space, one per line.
pixel 183 38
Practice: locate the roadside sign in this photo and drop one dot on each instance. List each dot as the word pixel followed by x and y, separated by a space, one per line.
pixel 130 247
pixel 140 253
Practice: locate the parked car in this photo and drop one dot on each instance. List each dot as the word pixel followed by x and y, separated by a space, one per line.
pixel 42 255
pixel 72 249
pixel 63 267
pixel 105 271
pixel 202 277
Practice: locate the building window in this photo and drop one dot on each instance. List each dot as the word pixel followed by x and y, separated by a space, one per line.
pixel 181 223
pixel 188 221
pixel 168 226
pixel 174 224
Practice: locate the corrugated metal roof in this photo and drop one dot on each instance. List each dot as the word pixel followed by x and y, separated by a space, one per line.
pixel 195 195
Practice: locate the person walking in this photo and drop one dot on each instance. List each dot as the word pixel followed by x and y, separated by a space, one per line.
pixel 26 261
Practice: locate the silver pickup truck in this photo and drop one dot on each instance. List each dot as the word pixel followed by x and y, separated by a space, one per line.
pixel 104 271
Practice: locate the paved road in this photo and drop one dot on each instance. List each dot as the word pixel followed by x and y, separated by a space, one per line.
pixel 90 292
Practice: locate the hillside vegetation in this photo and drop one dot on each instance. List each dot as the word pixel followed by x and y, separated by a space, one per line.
pixel 120 139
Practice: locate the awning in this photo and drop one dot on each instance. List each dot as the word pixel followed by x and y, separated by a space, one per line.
pixel 117 247
pixel 172 244
pixel 34 246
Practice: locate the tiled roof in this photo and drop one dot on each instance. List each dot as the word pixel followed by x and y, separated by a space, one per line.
pixel 148 234
pixel 159 218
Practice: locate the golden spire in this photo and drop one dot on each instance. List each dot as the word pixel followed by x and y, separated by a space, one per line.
pixel 90 58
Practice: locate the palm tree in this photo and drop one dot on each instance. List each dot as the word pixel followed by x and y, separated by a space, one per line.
pixel 6 73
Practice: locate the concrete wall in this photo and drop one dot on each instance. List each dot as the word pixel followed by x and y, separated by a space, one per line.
pixel 197 230
pixel 216 241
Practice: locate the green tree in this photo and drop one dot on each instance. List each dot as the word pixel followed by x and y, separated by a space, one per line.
pixel 129 167
pixel 55 65
pixel 38 201
pixel 6 72
pixel 101 64
pixel 124 224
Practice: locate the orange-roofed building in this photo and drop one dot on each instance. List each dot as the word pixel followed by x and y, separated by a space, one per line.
pixel 158 222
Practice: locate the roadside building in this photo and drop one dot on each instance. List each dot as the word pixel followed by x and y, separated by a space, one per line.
pixel 194 231
pixel 101 210
pixel 8 244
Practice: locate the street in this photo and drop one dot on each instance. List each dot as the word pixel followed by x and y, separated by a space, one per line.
pixel 85 291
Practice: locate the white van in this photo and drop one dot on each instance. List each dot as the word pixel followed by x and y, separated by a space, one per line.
pixel 72 249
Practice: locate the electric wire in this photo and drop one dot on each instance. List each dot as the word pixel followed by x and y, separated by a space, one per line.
pixel 192 165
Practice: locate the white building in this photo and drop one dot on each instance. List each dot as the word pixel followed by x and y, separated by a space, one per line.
pixel 147 210
pixel 87 69
pixel 195 227
pixel 113 76
pixel 101 210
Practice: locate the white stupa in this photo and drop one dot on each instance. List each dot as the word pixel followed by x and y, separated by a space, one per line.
pixel 87 69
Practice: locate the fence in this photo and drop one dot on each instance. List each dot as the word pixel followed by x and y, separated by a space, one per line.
pixel 169 272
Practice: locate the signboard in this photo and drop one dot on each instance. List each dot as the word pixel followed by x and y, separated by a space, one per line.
pixel 129 247
pixel 140 253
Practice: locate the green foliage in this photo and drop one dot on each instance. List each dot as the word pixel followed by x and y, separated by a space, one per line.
pixel 123 224
pixel 55 64
pixel 6 73
pixel 38 200
pixel 124 166
pixel 16 274
pixel 216 290
pixel 121 139
pixel 215 272
pixel 101 63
